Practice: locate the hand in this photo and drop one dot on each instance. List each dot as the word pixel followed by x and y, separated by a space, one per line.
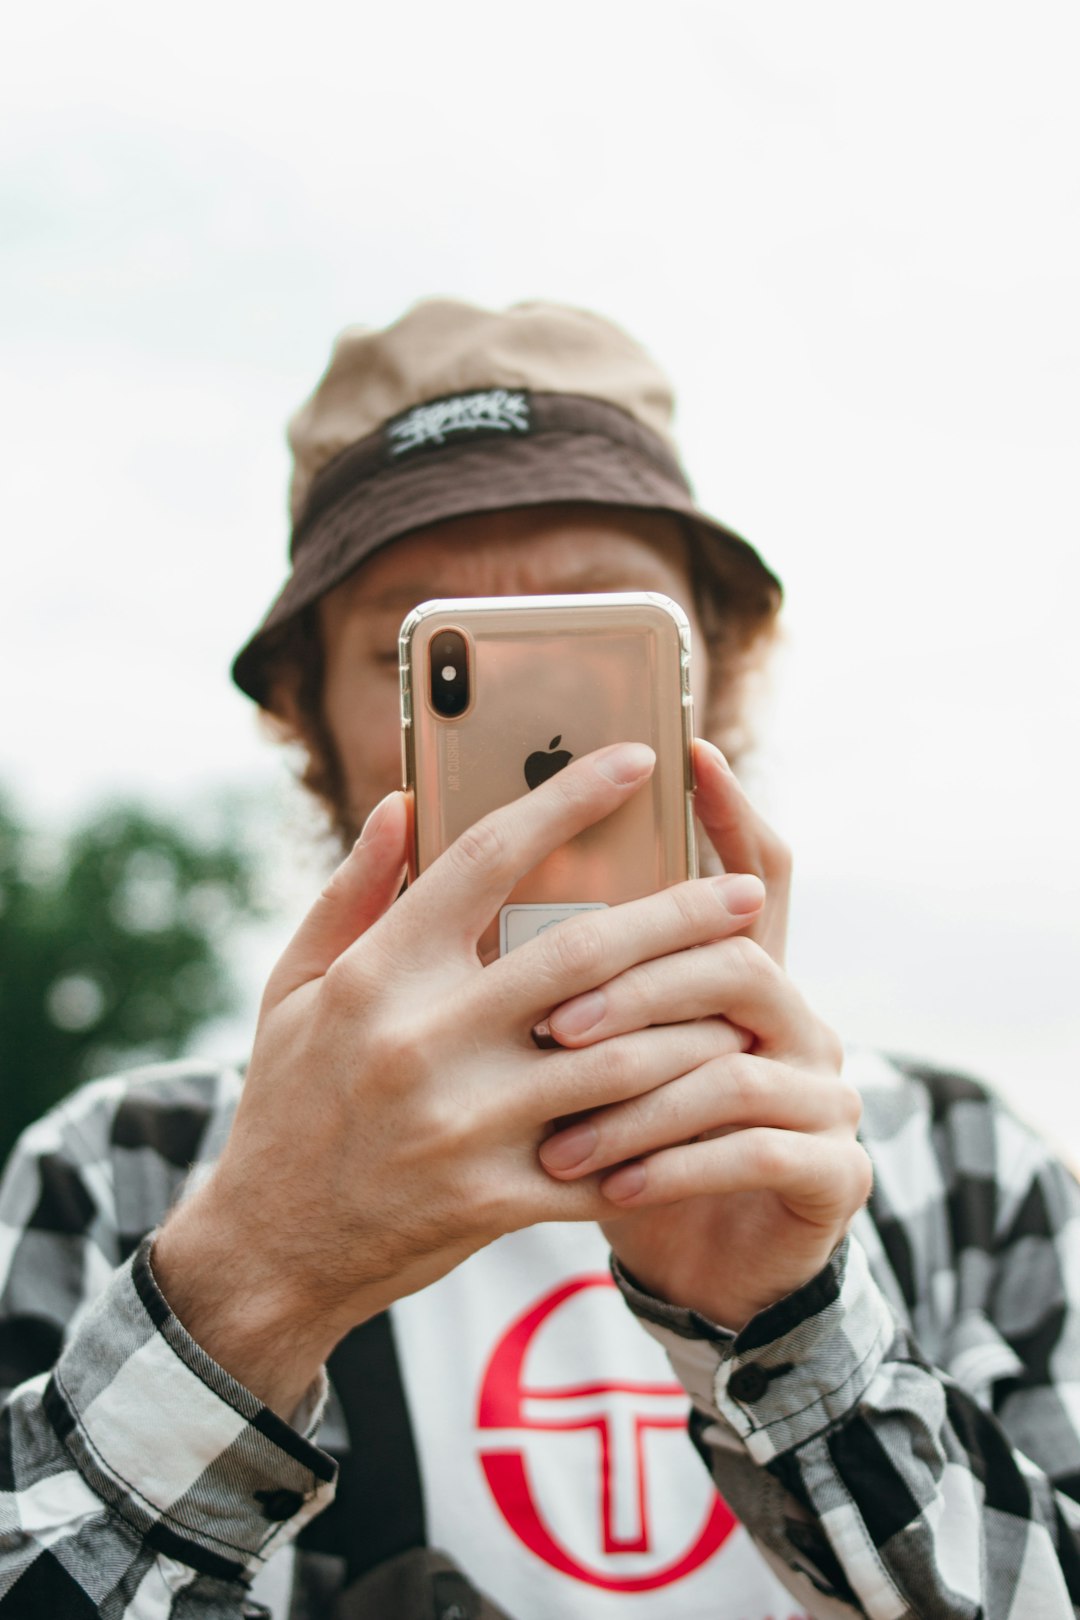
pixel 395 1102
pixel 743 1175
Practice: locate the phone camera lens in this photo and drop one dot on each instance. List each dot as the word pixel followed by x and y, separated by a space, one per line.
pixel 449 680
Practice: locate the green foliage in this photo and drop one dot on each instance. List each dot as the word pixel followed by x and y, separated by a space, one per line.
pixel 111 949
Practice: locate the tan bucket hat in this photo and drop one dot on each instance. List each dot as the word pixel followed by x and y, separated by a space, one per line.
pixel 456 409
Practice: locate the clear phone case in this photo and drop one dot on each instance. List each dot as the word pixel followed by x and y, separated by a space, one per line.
pixel 551 678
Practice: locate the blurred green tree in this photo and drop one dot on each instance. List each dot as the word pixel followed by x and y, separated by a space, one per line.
pixel 111 948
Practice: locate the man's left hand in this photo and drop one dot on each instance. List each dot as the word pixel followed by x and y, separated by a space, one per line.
pixel 732 1184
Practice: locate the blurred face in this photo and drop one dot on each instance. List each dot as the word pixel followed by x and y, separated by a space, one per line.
pixel 532 551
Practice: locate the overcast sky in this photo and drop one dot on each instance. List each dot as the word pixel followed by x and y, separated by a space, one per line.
pixel 852 235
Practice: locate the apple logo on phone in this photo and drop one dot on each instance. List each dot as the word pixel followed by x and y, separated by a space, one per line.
pixel 541 765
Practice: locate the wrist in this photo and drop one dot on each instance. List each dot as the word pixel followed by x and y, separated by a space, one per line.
pixel 238 1305
pixel 715 1293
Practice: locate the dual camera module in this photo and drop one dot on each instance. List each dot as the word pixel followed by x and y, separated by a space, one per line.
pixel 448 673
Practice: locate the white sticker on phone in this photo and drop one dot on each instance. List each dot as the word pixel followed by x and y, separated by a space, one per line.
pixel 517 924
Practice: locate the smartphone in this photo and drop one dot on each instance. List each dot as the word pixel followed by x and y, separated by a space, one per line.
pixel 499 693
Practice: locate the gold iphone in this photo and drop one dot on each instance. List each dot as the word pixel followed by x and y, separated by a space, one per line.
pixel 499 693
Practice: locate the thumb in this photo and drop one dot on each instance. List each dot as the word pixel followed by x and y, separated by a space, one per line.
pixel 364 886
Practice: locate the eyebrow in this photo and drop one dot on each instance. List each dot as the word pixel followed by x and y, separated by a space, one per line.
pixel 393 596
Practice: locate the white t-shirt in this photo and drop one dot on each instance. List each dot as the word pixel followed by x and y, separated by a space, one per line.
pixel 551 1434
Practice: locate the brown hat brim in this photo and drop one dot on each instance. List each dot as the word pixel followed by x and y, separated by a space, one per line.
pixel 576 449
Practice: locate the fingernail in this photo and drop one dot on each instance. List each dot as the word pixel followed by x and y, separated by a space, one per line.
pixel 626 762
pixel 375 820
pixel 741 892
pixel 625 1184
pixel 575 1017
pixel 569 1147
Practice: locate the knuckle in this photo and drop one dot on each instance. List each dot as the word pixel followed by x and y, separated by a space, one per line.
pixel 575 949
pixel 850 1103
pixel 769 1156
pixel 568 787
pixel 691 902
pixel 615 1067
pixel 342 986
pixel 746 958
pixel 492 1202
pixel 395 1050
pixel 644 985
pixel 444 1123
pixel 744 1080
pixel 480 848
pixel 832 1049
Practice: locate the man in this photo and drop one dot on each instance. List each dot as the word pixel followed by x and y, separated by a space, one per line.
pixel 408 1183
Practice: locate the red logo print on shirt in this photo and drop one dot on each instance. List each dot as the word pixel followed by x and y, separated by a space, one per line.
pixel 620 1414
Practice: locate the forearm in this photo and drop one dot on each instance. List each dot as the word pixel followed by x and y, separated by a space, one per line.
pixel 267 1295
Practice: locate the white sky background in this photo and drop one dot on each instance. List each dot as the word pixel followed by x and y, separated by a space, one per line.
pixel 852 235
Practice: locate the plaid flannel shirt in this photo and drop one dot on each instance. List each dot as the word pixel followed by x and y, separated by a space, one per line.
pixel 901 1436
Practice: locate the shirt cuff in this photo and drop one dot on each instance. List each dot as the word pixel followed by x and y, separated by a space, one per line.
pixel 794 1369
pixel 185 1455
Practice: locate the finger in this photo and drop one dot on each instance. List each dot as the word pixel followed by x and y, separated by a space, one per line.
pixel 461 891
pixel 731 978
pixel 566 1084
pixel 739 834
pixel 595 946
pixel 819 1178
pixel 743 839
pixel 725 1093
pixel 358 894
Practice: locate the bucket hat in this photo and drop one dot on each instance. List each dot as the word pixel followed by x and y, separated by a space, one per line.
pixel 455 410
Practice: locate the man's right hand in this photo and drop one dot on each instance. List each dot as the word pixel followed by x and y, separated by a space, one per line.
pixel 395 1102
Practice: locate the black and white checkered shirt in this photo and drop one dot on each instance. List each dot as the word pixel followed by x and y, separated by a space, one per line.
pixel 901 1437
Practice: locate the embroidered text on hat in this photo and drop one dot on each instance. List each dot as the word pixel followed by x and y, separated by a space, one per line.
pixel 493 410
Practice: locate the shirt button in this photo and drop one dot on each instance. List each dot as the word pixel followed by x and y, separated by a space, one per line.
pixel 455 1599
pixel 279 1505
pixel 748 1383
